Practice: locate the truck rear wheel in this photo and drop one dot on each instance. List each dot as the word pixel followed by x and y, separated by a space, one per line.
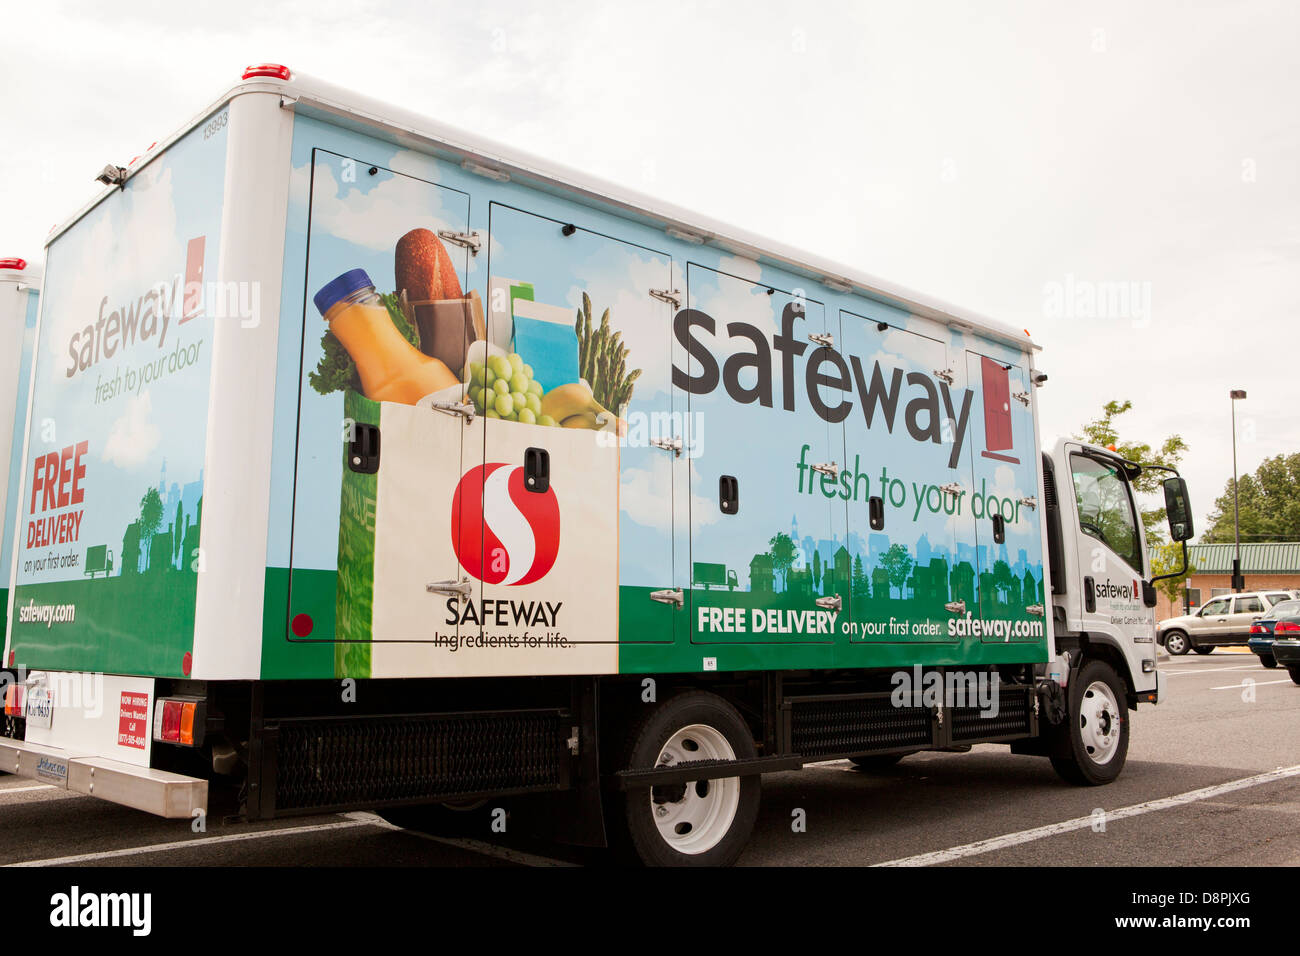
pixel 704 823
pixel 1093 741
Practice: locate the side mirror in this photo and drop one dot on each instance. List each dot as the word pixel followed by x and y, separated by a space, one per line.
pixel 1178 508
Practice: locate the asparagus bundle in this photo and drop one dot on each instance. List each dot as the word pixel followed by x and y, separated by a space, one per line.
pixel 602 359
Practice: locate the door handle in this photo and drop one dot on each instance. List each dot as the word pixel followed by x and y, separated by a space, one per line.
pixel 1089 595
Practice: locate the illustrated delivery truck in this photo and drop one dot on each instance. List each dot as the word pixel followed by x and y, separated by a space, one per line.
pixel 371 465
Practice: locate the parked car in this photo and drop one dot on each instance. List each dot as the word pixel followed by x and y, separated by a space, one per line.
pixel 1286 651
pixel 1262 631
pixel 1224 621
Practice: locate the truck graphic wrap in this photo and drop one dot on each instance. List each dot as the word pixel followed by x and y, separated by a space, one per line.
pixel 108 526
pixel 763 477
pixel 20 368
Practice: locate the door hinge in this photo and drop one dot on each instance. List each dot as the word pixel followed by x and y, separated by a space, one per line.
pixel 1021 397
pixel 831 603
pixel 464 410
pixel 952 488
pixel 938 714
pixel 671 596
pixel 468 240
pixel 461 588
pixel 1029 501
pixel 671 296
pixel 1034 609
pixel 572 742
pixel 827 468
pixel 944 373
pixel 824 339
pixel 673 445
pixel 955 607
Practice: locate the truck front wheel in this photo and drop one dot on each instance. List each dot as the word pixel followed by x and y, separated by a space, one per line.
pixel 1093 742
pixel 703 823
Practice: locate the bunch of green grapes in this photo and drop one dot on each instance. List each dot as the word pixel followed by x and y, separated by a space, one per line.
pixel 505 388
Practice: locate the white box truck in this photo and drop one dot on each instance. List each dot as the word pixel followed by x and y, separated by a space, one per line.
pixel 20 284
pixel 433 474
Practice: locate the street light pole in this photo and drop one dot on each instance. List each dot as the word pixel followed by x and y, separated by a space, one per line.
pixel 1238 581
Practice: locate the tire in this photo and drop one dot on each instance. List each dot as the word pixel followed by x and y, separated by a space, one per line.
pixel 1295 674
pixel 876 762
pixel 439 819
pixel 1092 744
pixel 1268 660
pixel 1176 643
pixel 1203 650
pixel 698 824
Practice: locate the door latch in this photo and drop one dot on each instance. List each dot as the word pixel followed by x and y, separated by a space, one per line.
pixel 461 588
pixel 728 494
pixel 831 603
pixel 1034 609
pixel 876 512
pixel 673 445
pixel 537 469
pixel 999 529
pixel 1029 501
pixel 1021 397
pixel 466 240
pixel 944 373
pixel 363 449
pixel 955 607
pixel 671 296
pixel 824 339
pixel 952 488
pixel 671 596
pixel 827 468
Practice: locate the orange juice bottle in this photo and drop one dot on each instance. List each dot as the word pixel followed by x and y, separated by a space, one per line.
pixel 391 368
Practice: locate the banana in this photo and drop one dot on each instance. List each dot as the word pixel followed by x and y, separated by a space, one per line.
pixel 566 401
pixel 581 420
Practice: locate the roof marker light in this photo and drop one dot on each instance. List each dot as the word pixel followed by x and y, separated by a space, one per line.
pixel 18 265
pixel 478 169
pixel 274 70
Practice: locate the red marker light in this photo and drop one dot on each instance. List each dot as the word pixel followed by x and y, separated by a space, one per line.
pixel 187 663
pixel 18 265
pixel 274 70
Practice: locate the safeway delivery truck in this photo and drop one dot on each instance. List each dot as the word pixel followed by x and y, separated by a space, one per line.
pixel 373 465
pixel 19 294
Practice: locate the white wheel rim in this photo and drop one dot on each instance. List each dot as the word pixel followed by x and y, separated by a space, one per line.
pixel 1099 722
pixel 693 819
pixel 1175 643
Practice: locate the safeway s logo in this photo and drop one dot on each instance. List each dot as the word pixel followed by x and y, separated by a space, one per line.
pixel 503 533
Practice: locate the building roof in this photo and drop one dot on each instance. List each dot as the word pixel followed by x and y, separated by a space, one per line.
pixel 1272 557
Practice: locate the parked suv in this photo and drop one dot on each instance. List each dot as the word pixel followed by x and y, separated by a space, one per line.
pixel 1220 622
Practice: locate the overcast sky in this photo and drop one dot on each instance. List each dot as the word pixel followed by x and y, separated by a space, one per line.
pixel 1009 157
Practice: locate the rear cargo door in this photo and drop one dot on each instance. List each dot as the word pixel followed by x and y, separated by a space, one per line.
pixel 1003 500
pixel 362 561
pixel 572 555
pixel 900 451
pixel 766 521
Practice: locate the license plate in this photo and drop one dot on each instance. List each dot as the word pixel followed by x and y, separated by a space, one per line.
pixel 40 708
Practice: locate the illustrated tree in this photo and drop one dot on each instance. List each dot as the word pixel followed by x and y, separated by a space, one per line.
pixel 1268 503
pixel 1104 431
pixel 817 569
pixel 150 517
pixel 1002 580
pixel 898 565
pixel 782 550
pixel 177 531
pixel 860 586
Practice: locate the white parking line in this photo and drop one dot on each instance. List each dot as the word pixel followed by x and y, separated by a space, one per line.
pixel 1258 683
pixel 186 844
pixel 1083 823
pixel 39 786
pixel 1213 670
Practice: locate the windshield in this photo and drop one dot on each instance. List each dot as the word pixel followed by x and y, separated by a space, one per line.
pixel 1106 508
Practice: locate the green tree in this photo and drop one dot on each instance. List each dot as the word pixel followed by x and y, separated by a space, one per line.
pixel 817 569
pixel 1104 431
pixel 150 516
pixel 898 565
pixel 1268 504
pixel 860 586
pixel 1166 558
pixel 782 550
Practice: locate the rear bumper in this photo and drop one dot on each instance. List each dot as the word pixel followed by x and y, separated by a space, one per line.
pixel 158 792
pixel 1287 653
pixel 1261 645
